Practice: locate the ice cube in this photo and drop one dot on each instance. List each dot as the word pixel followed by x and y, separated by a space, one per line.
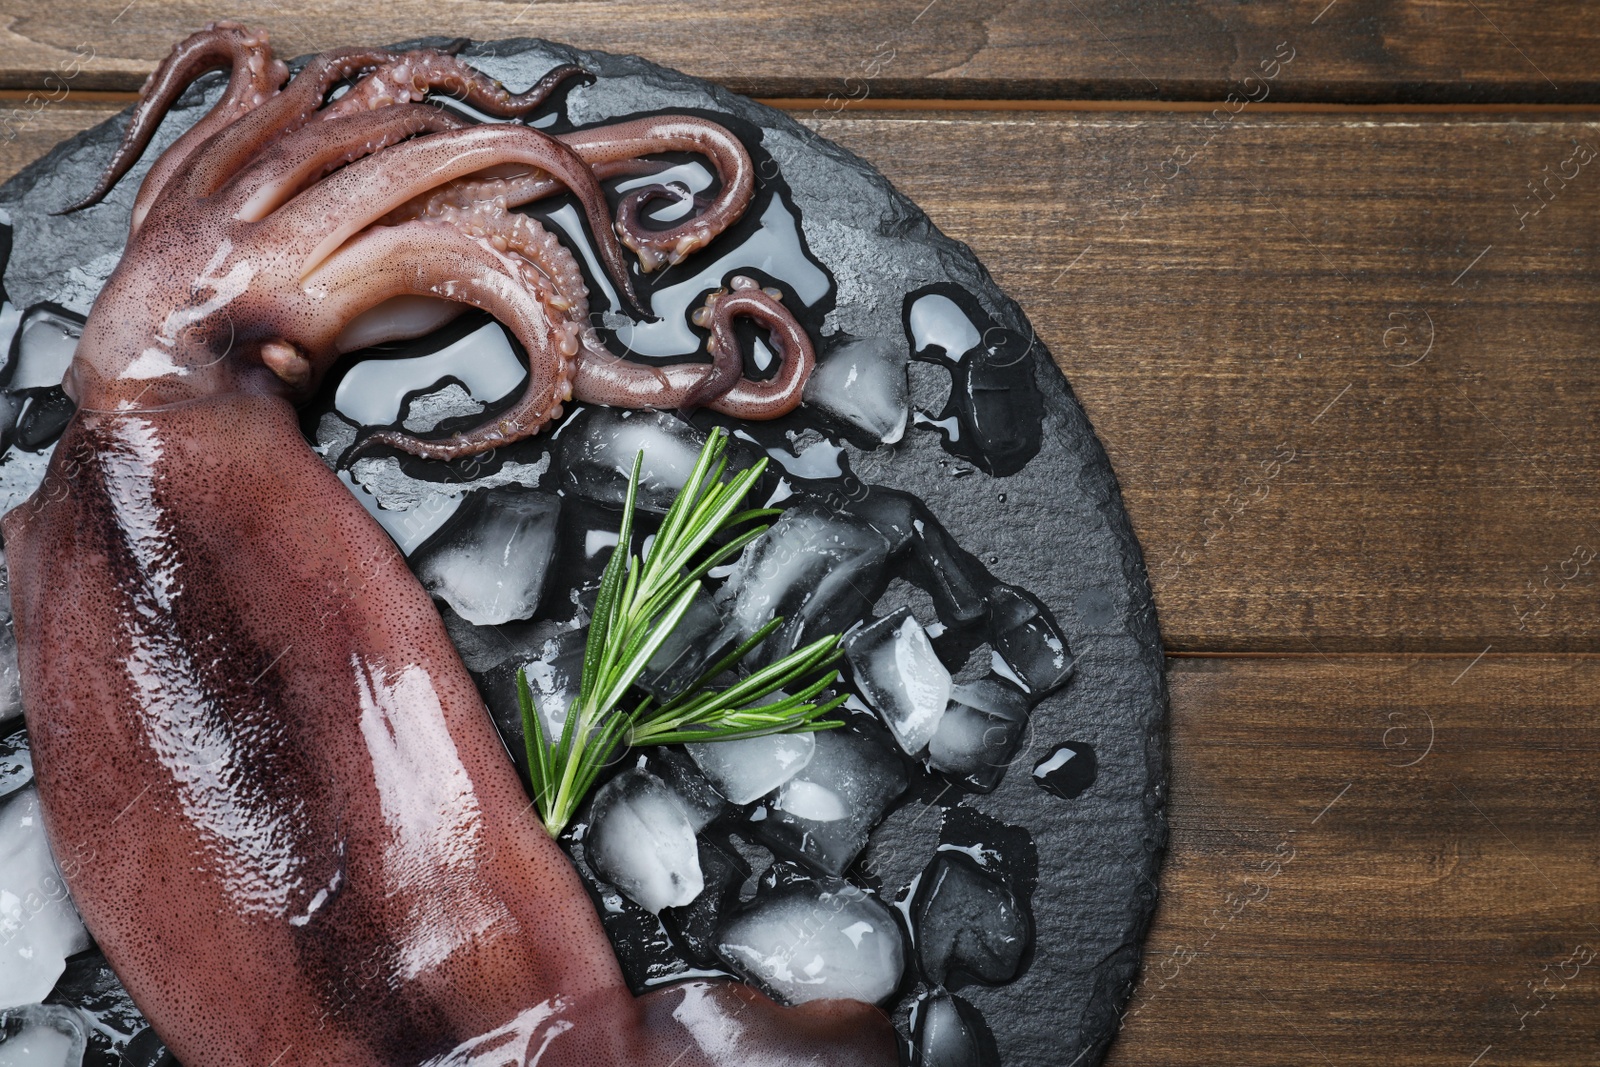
pixel 587 539
pixel 642 842
pixel 10 408
pixel 993 415
pixel 694 926
pixel 757 858
pixel 10 673
pixel 889 511
pixel 947 1034
pixel 862 382
pixel 950 574
pixel 644 948
pixel 820 571
pixel 409 526
pixel 979 733
pixel 752 767
pixel 807 454
pixel 824 814
pixel 936 321
pixel 34 409
pixel 900 675
pixel 554 679
pixel 42 1035
pixel 968 924
pixel 694 791
pixel 10 319
pixel 998 404
pixel 90 986
pixel 1028 640
pixel 39 927
pixel 16 761
pixel 490 565
pixel 692 646
pixel 817 941
pixel 597 448
pixel 42 420
pixel 483 648
pixel 45 348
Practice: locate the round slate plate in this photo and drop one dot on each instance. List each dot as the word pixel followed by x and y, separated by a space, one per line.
pixel 1031 496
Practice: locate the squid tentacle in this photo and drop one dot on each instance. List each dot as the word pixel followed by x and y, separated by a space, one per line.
pixel 255 76
pixel 374 156
pixel 550 270
pixel 411 76
pixel 310 153
pixel 550 273
pixel 229 149
pixel 605 378
pixel 615 150
pixel 638 137
pixel 433 258
pixel 772 397
pixel 540 265
pixel 302 102
pixel 554 272
pixel 512 187
pixel 556 277
pixel 323 217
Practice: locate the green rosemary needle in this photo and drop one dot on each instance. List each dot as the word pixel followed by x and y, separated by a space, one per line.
pixel 640 603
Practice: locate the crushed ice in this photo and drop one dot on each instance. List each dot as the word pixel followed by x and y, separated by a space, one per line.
pixel 39 927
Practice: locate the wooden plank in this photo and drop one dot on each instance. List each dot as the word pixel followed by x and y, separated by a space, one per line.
pixel 1377 859
pixel 1349 50
pixel 1251 340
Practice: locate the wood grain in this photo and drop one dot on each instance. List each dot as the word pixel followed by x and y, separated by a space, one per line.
pixel 1251 341
pixel 1377 859
pixel 1349 50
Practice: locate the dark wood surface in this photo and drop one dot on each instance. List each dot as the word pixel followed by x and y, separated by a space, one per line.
pixel 1377 859
pixel 1351 50
pixel 1377 561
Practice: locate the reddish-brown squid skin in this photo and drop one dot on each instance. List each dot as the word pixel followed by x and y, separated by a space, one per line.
pixel 298 837
pixel 292 826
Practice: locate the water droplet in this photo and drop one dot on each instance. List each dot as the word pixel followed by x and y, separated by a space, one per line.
pixel 1067 771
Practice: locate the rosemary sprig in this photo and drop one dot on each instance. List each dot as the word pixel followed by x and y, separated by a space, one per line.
pixel 640 603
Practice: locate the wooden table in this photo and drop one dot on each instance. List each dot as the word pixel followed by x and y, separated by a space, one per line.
pixel 1323 275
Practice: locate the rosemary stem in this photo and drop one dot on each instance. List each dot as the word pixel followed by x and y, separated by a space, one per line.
pixel 640 604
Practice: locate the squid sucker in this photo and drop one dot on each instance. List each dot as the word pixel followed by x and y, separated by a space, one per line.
pixel 293 829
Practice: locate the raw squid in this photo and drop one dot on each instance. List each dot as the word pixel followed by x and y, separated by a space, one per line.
pixel 294 830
